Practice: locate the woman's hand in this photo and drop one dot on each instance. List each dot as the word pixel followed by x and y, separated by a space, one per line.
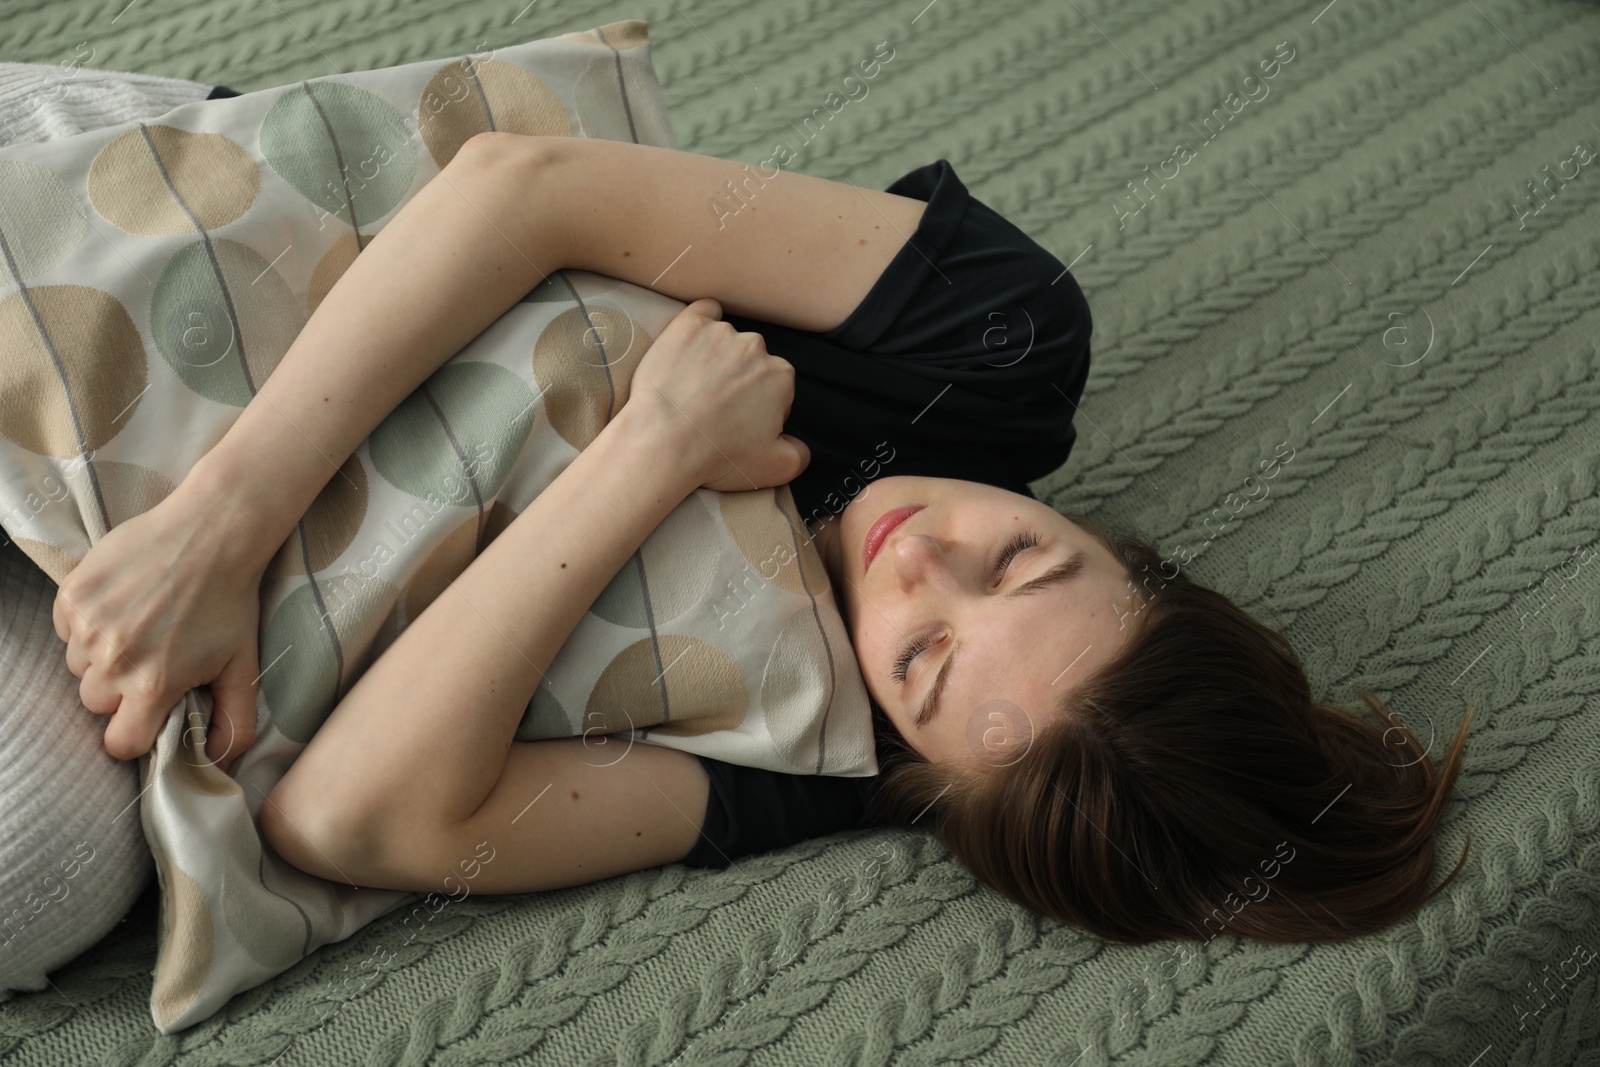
pixel 724 399
pixel 164 602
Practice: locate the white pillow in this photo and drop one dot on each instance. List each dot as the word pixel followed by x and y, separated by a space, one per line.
pixel 73 858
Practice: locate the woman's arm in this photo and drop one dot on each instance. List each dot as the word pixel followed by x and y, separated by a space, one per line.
pixel 460 253
pixel 787 248
pixel 420 741
pixel 170 599
pixel 416 752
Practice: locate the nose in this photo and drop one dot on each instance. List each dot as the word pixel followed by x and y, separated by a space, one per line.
pixel 919 559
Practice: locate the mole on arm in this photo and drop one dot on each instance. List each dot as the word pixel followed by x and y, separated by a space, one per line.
pixel 574 794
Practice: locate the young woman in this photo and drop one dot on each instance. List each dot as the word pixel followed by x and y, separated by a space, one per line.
pixel 1094 736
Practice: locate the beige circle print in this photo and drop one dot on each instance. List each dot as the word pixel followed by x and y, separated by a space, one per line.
pixel 329 525
pixel 187 941
pixel 74 367
pixel 159 180
pixel 621 35
pixel 770 535
pixel 636 690
pixel 583 363
pixel 475 96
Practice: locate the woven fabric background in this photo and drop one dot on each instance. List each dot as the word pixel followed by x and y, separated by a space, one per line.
pixel 1354 263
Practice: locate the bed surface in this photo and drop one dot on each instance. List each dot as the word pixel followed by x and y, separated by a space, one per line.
pixel 1352 264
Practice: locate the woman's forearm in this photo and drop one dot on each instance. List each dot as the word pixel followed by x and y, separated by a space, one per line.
pixel 421 739
pixel 461 252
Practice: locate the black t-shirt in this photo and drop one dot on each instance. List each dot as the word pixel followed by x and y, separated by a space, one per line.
pixel 966 359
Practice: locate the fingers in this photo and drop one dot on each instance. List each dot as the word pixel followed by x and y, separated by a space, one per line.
pixel 706 306
pixel 98 693
pixel 136 721
pixel 136 702
pixel 58 616
pixel 78 659
pixel 222 741
pixel 233 717
pixel 132 730
pixel 802 453
pixel 64 613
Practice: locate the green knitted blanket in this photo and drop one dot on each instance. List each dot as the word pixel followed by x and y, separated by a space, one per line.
pixel 1369 256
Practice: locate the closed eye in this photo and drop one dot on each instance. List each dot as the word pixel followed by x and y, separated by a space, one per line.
pixel 1024 540
pixel 1071 567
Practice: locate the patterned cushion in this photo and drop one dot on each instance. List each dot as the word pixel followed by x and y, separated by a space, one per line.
pixel 227 221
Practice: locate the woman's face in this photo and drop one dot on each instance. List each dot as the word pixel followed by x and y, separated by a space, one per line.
pixel 941 580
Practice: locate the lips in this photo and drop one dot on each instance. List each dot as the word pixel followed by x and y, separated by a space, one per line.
pixel 882 529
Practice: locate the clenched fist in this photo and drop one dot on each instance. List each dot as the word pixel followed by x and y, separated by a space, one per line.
pixel 724 398
pixel 162 604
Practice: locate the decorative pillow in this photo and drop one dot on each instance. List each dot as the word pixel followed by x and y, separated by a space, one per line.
pixel 216 232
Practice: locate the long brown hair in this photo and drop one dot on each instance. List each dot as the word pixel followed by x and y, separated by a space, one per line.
pixel 1192 786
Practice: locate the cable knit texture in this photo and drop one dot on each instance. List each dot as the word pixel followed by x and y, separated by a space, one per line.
pixel 43 101
pixel 1384 254
pixel 73 858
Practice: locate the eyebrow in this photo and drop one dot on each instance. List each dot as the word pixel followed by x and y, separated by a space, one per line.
pixel 1059 573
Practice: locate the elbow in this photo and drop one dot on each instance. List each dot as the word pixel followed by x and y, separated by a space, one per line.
pixel 320 835
pixel 500 148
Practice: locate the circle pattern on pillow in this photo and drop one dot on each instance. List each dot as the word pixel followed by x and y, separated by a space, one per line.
pixel 43 222
pixel 72 359
pixel 456 105
pixel 328 527
pixel 633 690
pixel 584 362
pixel 223 318
pixel 309 135
pixel 158 180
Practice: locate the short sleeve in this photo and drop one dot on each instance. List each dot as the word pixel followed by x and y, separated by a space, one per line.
pixel 966 358
pixel 975 299
pixel 751 809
